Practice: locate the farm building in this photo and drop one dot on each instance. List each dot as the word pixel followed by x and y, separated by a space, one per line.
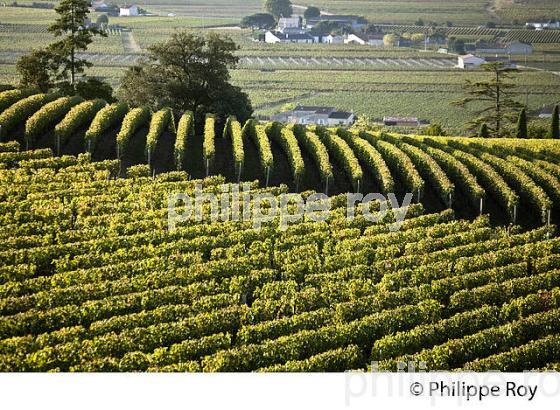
pixel 311 115
pixel 511 48
pixel 341 118
pixel 288 22
pixel 469 61
pixel 371 40
pixel 517 47
pixel 330 39
pixel 490 48
pixel 273 37
pixel 128 10
pixel 401 121
pixel 541 25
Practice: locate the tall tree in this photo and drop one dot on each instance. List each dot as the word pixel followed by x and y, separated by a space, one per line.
pixel 521 131
pixel 279 8
pixel 72 25
pixel 188 72
pixel 493 98
pixel 555 123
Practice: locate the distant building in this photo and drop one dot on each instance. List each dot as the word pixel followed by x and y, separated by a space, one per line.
pixel 311 115
pixel 341 118
pixel 355 22
pixel 288 22
pixel 511 48
pixel 128 10
pixel 469 62
pixel 364 39
pixel 519 48
pixel 490 48
pixel 99 6
pixel 273 37
pixel 355 39
pixel 541 25
pixel 401 121
pixel 330 39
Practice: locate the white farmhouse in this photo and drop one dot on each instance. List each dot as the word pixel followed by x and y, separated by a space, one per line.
pixel 341 118
pixel 330 39
pixel 469 61
pixel 308 115
pixel 128 10
pixel 355 39
pixel 541 25
pixel 273 37
pixel 288 22
pixel 370 40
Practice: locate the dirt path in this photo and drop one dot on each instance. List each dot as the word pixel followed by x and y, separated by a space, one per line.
pixel 284 101
pixel 130 45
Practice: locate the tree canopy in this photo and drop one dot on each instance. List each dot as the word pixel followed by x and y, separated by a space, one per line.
pixel 259 20
pixel 279 8
pixel 188 72
pixel 311 12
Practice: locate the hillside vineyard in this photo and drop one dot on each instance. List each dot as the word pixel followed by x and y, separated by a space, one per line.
pixel 93 279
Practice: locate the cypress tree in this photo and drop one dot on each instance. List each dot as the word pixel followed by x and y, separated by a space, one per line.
pixel 522 125
pixel 555 124
pixel 483 131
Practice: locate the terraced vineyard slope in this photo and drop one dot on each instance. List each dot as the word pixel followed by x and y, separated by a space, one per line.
pixel 92 279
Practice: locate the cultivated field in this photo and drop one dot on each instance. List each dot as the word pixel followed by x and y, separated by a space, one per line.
pixel 93 279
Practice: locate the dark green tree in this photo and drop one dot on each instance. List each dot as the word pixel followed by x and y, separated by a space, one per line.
pixel 494 96
pixel 483 131
pixel 311 12
pixel 72 26
pixel 35 70
pixel 456 45
pixel 188 72
pixel 521 130
pixel 554 123
pixel 259 20
pixel 93 88
pixel 279 8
